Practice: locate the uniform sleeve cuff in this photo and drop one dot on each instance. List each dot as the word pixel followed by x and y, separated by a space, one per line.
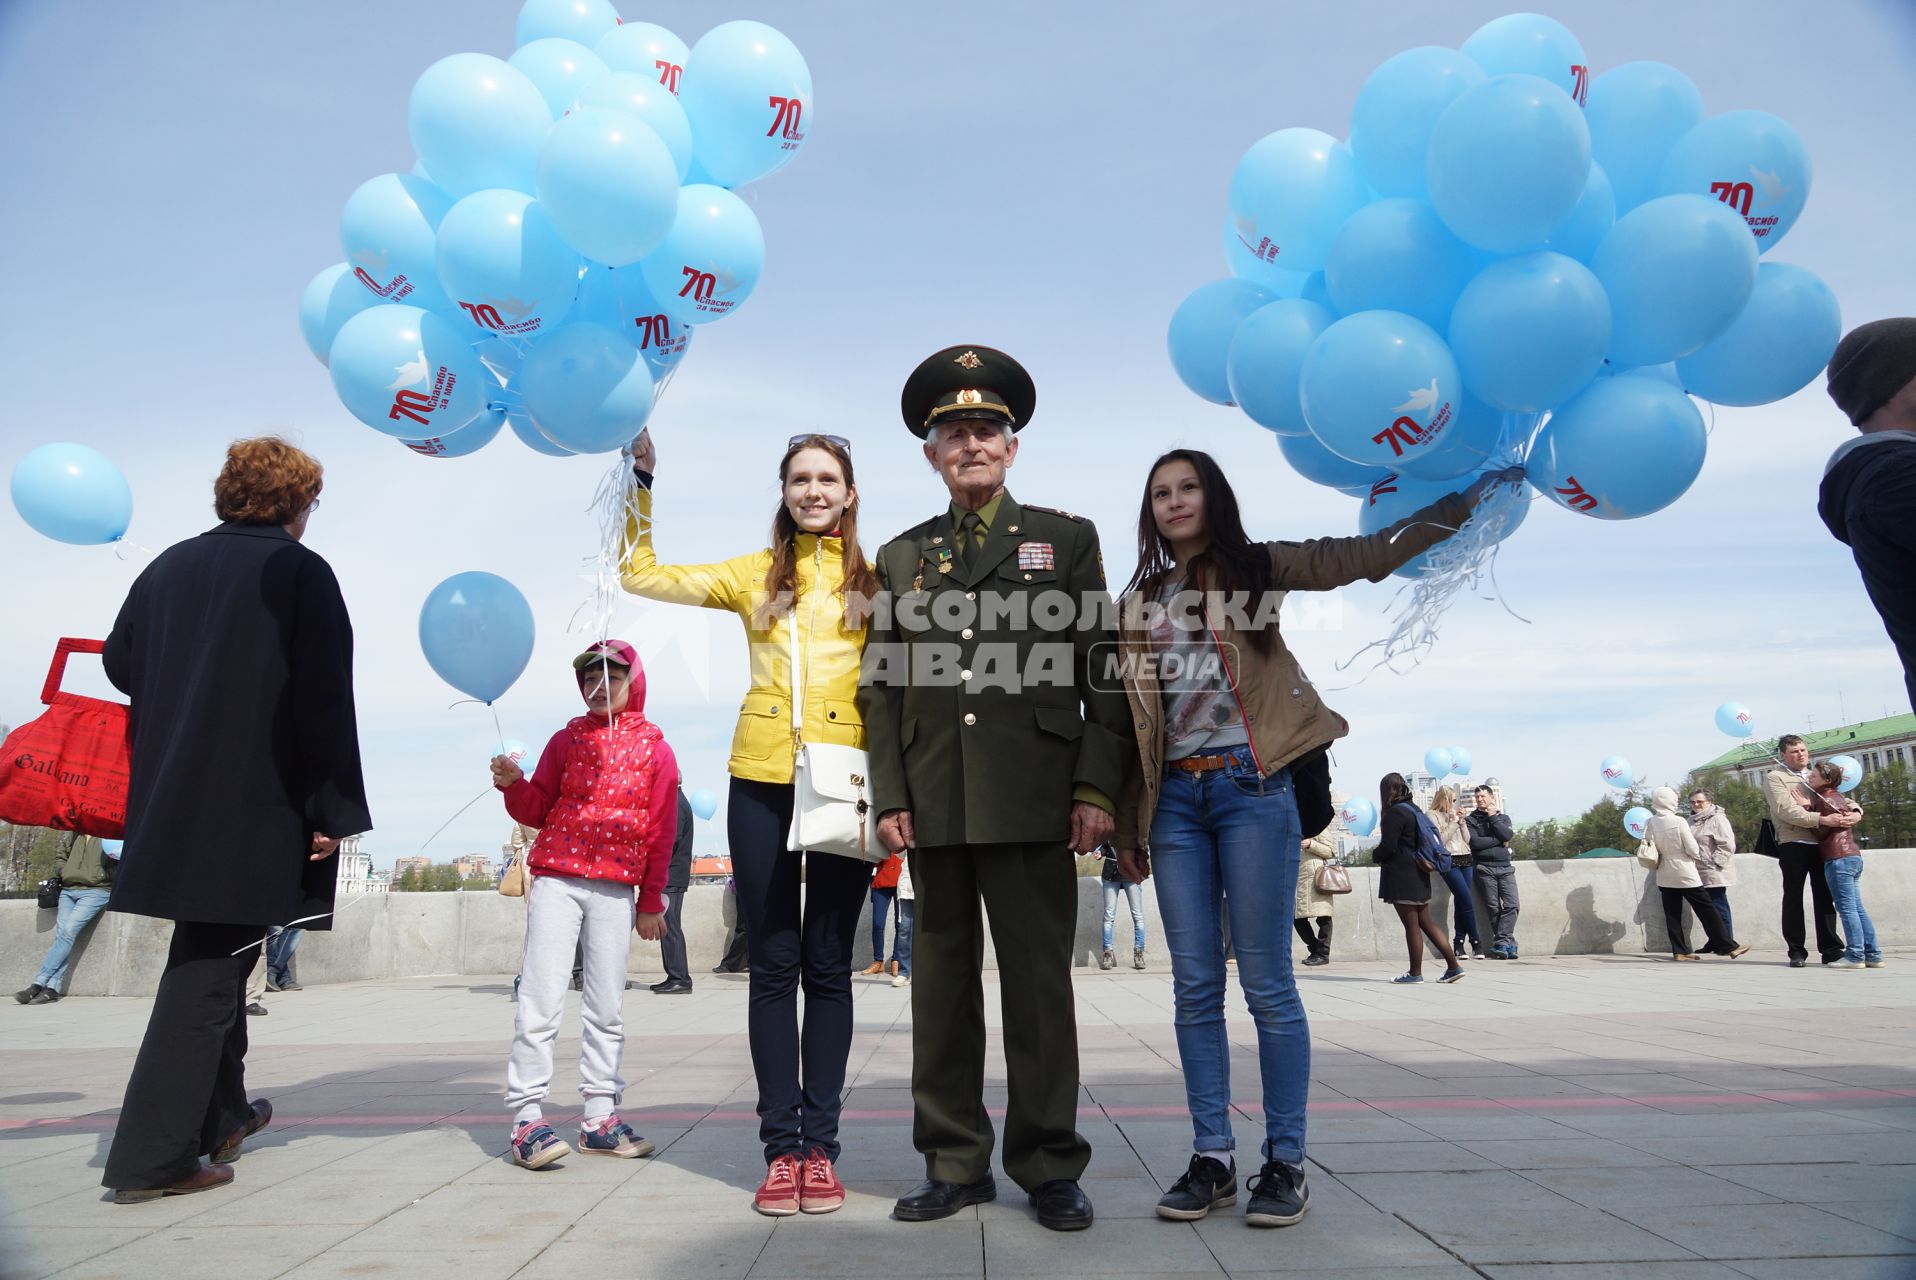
pixel 1089 794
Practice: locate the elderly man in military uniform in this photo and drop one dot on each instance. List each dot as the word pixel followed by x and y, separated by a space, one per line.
pixel 993 756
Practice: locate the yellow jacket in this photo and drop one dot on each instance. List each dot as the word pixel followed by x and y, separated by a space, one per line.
pixel 763 744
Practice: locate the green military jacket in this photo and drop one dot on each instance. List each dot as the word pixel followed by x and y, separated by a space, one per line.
pixel 981 713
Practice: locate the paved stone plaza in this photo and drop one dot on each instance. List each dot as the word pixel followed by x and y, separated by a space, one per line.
pixel 1587 1117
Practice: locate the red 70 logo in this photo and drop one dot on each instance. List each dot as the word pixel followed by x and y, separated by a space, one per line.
pixel 698 285
pixel 1579 82
pixel 1575 497
pixel 655 331
pixel 1398 435
pixel 786 120
pixel 668 74
pixel 1737 195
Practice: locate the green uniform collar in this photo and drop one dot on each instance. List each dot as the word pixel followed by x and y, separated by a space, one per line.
pixel 987 514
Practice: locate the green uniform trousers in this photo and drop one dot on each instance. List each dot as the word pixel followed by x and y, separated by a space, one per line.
pixel 1031 893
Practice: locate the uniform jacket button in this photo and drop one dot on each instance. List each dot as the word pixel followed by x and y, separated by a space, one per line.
pixel 970 718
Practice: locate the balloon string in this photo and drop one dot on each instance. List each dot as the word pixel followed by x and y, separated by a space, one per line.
pixel 455 817
pixel 124 544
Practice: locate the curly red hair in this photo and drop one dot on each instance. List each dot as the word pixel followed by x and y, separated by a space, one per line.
pixel 266 481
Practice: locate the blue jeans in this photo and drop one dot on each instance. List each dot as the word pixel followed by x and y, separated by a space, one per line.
pixel 1721 897
pixel 901 940
pixel 1133 894
pixel 1230 832
pixel 279 954
pixel 77 909
pixel 1463 909
pixel 1845 876
pixel 881 912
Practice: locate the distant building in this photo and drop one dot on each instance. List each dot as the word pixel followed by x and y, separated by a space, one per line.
pixel 473 867
pixel 1876 744
pixel 356 874
pixel 418 863
pixel 1423 788
pixel 711 870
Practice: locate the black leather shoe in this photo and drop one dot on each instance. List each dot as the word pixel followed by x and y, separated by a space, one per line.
pixel 1062 1205
pixel 672 989
pixel 933 1199
pixel 1799 962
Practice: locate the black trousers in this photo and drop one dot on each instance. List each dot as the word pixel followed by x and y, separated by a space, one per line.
pixel 1802 860
pixel 1031 893
pixel 1318 942
pixel 1720 944
pixel 734 959
pixel 187 1093
pixel 795 943
pixel 672 945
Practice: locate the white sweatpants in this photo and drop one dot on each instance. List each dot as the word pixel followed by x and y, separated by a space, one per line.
pixel 560 912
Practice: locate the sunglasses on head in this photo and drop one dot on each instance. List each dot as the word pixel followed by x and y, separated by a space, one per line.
pixel 840 441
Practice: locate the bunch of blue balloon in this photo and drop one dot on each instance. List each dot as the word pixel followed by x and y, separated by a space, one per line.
pixel 1443 762
pixel 571 217
pixel 1509 261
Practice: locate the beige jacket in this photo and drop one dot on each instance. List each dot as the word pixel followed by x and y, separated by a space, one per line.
pixel 1676 847
pixel 1318 850
pixel 1715 848
pixel 1282 712
pixel 1794 821
pixel 1455 834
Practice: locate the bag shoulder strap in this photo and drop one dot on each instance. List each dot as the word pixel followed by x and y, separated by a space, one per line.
pixel 56 673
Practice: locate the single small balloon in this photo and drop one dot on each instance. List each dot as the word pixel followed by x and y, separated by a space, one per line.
pixel 476 631
pixel 1852 772
pixel 1265 358
pixel 1379 387
pixel 647 49
pixel 586 388
pixel 388 231
pixel 1202 329
pixel 1397 255
pixel 409 373
pixel 1360 815
pixel 476 122
pixel 710 262
pixel 1530 331
pixel 1616 772
pixel 1677 271
pixel 1396 110
pixel 505 265
pixel 748 94
pixel 1778 343
pixel 704 804
pixel 1636 820
pixel 1636 113
pixel 1291 192
pixel 520 754
pixel 1460 761
pixel 1438 762
pixel 1753 162
pixel 617 297
pixel 1620 449
pixel 1509 159
pixel 333 297
pixel 643 96
pixel 1531 44
pixel 72 494
pixel 609 184
pixel 1735 719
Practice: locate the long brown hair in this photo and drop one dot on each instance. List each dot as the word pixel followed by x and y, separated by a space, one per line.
pixel 1232 563
pixel 1392 789
pixel 857 584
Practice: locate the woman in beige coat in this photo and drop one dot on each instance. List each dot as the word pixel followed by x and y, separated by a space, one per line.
pixel 1463 905
pixel 1313 904
pixel 1678 881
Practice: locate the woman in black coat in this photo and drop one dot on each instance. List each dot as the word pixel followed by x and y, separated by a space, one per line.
pixel 237 655
pixel 1403 879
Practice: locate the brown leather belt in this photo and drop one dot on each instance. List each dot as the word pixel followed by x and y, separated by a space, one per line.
pixel 1203 764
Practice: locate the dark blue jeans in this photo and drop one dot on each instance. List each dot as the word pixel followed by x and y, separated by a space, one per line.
pixel 1463 910
pixel 1231 832
pixel 881 912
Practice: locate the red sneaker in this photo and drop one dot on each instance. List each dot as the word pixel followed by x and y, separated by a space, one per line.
pixel 819 1190
pixel 777 1196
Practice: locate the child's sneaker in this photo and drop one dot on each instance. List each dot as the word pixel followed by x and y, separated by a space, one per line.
pixel 819 1190
pixel 613 1137
pixel 534 1145
pixel 777 1196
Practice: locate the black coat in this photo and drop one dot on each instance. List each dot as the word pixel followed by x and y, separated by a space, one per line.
pixel 679 878
pixel 237 654
pixel 1399 879
pixel 1868 500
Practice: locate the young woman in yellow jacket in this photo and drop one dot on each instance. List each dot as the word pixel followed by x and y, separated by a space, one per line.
pixel 813 578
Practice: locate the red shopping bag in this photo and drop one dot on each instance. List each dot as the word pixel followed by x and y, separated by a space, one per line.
pixel 67 768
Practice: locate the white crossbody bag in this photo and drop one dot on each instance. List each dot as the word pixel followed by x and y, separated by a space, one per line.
pixel 831 810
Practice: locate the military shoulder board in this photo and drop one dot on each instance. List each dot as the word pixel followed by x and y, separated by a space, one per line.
pixel 1053 511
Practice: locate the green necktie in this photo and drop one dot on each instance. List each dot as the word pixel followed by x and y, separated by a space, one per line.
pixel 971 535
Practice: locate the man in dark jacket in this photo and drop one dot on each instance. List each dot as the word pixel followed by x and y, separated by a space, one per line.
pixel 237 654
pixel 1490 833
pixel 1868 496
pixel 678 978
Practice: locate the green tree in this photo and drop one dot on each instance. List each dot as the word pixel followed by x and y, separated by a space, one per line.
pixel 408 881
pixel 1540 840
pixel 1888 797
pixel 441 878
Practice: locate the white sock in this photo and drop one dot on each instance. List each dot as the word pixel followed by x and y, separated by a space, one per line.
pixel 597 1110
pixel 1222 1157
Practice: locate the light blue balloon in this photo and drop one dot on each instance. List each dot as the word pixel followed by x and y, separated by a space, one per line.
pixel 559 69
pixel 464 442
pixel 520 754
pixel 388 229
pixel 1509 160
pixel 617 298
pixel 586 21
pixel 505 266
pixel 1398 497
pixel 1396 110
pixel 1294 189
pixel 1616 772
pixel 1752 162
pixel 1636 821
pixel 72 494
pixel 409 373
pixel 1475 436
pixel 1578 235
pixel 1202 329
pixel 1533 45
pixel 609 185
pixel 586 388
pixel 1530 331
pixel 1319 465
pixel 1852 772
pixel 704 804
pixel 333 297
pixel 1677 271
pixel 1378 387
pixel 1437 762
pixel 476 631
pixel 647 49
pixel 1460 761
pixel 748 94
pixel 1256 261
pixel 1397 255
pixel 710 263
pixel 643 96
pixel 1775 347
pixel 503 361
pixel 1265 357
pixel 1636 113
pixel 477 122
pixel 1359 815
pixel 1735 719
pixel 1623 447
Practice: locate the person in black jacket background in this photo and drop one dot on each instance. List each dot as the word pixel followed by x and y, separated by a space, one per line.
pixel 1490 833
pixel 237 656
pixel 1403 879
pixel 678 978
pixel 1868 495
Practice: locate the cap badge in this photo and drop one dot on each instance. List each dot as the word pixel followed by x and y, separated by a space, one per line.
pixel 969 360
pixel 969 397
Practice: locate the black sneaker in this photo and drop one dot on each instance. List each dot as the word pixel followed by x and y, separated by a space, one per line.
pixel 45 995
pixel 1279 1197
pixel 1207 1184
pixel 26 995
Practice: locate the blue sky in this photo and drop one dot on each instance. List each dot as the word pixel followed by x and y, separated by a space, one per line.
pixel 1047 179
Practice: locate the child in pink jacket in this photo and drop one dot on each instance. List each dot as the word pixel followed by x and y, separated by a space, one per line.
pixel 605 800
